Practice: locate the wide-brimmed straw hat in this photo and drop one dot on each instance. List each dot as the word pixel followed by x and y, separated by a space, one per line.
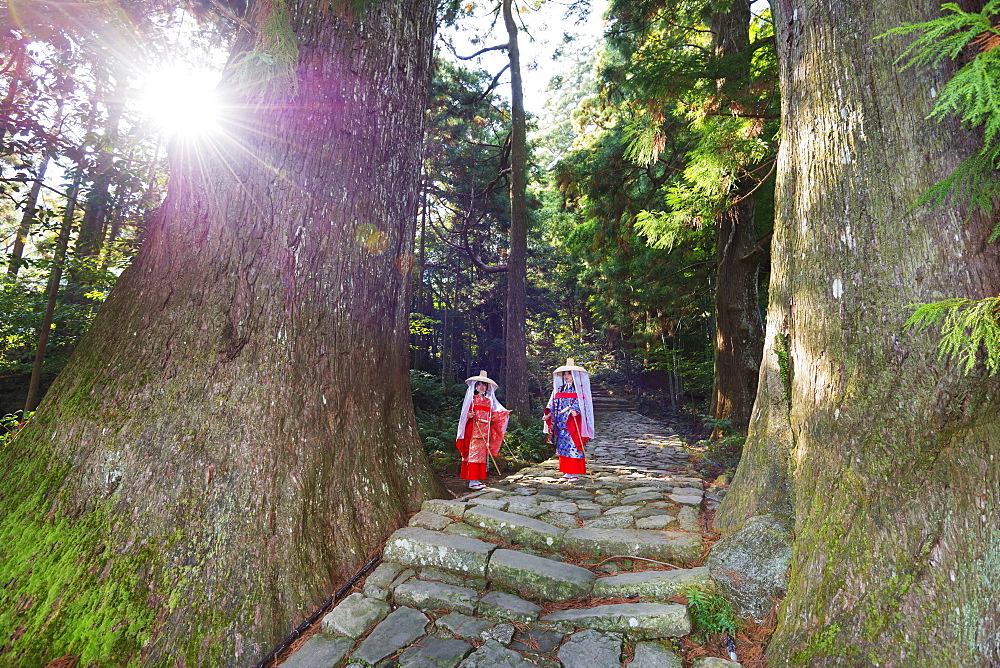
pixel 570 366
pixel 483 378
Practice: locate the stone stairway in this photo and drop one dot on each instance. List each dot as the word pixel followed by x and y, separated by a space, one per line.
pixel 531 572
pixel 605 401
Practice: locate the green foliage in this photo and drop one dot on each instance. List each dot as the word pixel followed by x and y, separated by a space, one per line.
pixel 722 454
pixel 11 423
pixel 422 325
pixel 972 94
pixel 968 326
pixel 526 441
pixel 267 73
pixel 458 307
pixel 711 613
pixel 23 304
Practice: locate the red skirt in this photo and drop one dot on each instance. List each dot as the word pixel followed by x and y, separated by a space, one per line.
pixel 473 470
pixel 572 466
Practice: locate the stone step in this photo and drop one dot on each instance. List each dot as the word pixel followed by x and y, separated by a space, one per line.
pixel 675 547
pixel 516 528
pixel 414 546
pixel 320 651
pixel 498 605
pixel 654 584
pixel 645 621
pixel 539 577
pixel 431 595
pixel 400 629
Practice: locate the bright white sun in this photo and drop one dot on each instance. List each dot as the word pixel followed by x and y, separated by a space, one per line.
pixel 181 100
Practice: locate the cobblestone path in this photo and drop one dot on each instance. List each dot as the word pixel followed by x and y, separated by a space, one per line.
pixel 636 443
pixel 533 572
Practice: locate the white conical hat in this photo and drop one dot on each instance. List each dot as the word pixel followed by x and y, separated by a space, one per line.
pixel 483 378
pixel 570 366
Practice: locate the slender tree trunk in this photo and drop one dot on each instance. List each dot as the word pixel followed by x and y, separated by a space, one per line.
pixel 234 435
pixel 52 292
pixel 515 324
pixel 9 101
pixel 92 227
pixel 421 352
pixel 739 332
pixel 886 456
pixel 27 220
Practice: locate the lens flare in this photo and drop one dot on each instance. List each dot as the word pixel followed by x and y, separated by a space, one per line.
pixel 181 101
pixel 372 239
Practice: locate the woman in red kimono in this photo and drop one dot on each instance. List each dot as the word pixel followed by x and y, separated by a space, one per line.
pixel 481 428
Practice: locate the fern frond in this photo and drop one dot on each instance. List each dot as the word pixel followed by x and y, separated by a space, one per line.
pixel 968 326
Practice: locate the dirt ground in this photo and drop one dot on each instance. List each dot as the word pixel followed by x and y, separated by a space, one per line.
pixel 458 487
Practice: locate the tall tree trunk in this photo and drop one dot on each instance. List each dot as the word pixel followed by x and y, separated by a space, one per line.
pixel 887 457
pixel 739 333
pixel 235 434
pixel 27 220
pixel 515 323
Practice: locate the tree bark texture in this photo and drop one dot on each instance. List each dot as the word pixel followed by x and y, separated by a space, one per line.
pixel 887 457
pixel 235 435
pixel 739 333
pixel 515 336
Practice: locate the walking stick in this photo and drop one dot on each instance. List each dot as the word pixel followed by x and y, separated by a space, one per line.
pixel 497 466
pixel 489 432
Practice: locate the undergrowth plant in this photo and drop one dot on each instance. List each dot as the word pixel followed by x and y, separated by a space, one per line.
pixel 11 423
pixel 710 612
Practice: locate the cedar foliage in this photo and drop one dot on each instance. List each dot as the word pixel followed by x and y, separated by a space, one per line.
pixel 973 95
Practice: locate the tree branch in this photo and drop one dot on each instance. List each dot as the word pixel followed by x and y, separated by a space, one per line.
pixel 489 89
pixel 498 47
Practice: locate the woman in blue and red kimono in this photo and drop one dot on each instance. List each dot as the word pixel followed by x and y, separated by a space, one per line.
pixel 569 418
pixel 481 428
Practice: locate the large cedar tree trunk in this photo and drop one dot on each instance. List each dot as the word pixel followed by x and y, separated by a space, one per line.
pixel 886 456
pixel 739 333
pixel 515 336
pixel 235 433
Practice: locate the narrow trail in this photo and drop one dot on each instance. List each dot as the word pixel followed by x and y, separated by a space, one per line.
pixel 533 572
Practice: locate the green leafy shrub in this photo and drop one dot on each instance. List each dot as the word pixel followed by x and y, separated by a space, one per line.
pixel 11 423
pixel 527 442
pixel 711 613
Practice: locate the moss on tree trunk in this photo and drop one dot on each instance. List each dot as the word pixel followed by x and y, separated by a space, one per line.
pixel 885 455
pixel 235 434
